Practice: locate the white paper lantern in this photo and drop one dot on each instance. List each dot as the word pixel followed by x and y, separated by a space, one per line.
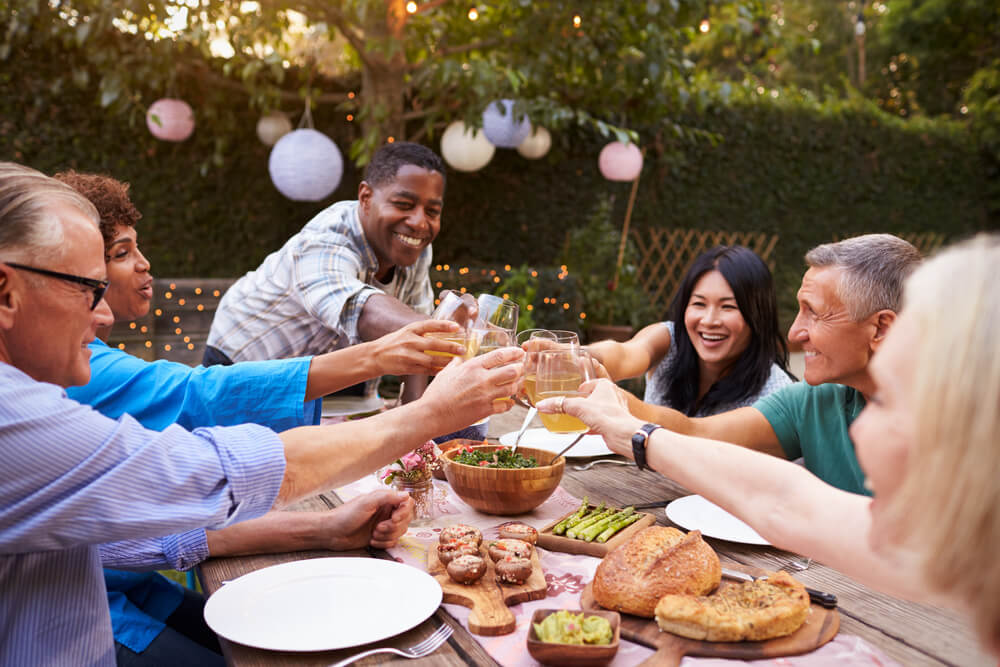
pixel 465 149
pixel 620 162
pixel 305 165
pixel 170 119
pixel 272 127
pixel 500 126
pixel 536 145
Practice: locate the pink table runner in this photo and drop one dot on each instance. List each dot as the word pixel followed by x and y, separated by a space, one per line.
pixel 567 574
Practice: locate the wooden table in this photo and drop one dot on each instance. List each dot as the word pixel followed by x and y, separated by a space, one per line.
pixel 913 634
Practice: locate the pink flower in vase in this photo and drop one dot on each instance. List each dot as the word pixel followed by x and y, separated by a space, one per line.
pixel 411 461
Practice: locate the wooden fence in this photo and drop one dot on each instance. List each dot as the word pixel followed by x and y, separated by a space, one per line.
pixel 666 254
pixel 178 322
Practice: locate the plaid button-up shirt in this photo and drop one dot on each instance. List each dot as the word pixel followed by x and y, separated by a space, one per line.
pixel 307 297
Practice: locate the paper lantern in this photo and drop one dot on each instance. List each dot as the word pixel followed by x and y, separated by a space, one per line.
pixel 305 165
pixel 169 119
pixel 536 145
pixel 500 126
pixel 272 127
pixel 465 149
pixel 620 162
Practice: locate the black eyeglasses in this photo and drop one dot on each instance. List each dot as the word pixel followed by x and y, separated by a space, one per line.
pixel 99 286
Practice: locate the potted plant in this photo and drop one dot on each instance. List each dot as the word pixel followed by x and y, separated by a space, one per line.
pixel 591 255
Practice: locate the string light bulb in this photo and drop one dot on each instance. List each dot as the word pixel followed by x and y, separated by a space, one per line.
pixel 704 26
pixel 577 20
pixel 473 13
pixel 411 7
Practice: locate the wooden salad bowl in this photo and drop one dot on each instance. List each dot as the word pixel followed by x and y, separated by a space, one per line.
pixel 504 490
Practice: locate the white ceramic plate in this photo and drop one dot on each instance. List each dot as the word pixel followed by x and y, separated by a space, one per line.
pixel 540 438
pixel 696 513
pixel 322 604
pixel 345 406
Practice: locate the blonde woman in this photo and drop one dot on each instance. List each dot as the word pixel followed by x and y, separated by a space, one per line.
pixel 927 441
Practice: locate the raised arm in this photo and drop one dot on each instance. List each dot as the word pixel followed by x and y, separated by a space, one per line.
pixel 746 427
pixel 396 353
pixel 637 355
pixel 323 457
pixel 785 503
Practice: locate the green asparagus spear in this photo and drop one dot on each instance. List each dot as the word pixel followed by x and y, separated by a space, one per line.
pixel 574 532
pixel 587 515
pixel 599 527
pixel 617 526
pixel 560 527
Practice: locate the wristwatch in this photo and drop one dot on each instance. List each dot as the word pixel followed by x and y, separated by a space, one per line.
pixel 639 444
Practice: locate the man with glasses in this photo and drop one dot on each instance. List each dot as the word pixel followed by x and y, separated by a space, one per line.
pixel 99 286
pixel 73 479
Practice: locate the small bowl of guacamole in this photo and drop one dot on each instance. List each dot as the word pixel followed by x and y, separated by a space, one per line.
pixel 574 637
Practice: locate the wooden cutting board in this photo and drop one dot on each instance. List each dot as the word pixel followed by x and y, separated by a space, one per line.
pixel 549 540
pixel 820 627
pixel 488 599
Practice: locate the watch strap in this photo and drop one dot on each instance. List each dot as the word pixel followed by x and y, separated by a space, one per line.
pixel 639 439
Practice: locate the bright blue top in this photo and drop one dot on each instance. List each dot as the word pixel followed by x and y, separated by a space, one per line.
pixel 159 394
pixel 72 479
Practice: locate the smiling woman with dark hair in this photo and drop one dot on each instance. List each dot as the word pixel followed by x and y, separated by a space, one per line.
pixel 729 351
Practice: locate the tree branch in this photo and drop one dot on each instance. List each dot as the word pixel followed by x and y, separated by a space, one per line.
pixel 202 71
pixel 414 115
pixel 324 11
pixel 472 46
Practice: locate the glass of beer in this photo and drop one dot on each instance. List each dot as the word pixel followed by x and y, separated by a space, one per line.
pixel 560 372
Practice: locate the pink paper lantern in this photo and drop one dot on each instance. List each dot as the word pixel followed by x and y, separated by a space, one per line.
pixel 620 162
pixel 170 119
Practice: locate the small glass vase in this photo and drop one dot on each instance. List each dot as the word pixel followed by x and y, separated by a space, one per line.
pixel 422 492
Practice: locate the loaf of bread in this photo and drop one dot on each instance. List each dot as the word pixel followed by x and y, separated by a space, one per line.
pixel 657 561
pixel 747 611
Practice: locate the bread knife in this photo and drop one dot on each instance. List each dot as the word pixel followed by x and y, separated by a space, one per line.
pixel 828 600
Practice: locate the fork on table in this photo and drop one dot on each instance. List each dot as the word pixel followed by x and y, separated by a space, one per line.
pixel 420 650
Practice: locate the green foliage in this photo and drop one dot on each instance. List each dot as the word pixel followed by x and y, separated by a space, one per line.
pixel 803 169
pixel 947 43
pixel 591 256
pixel 982 97
pixel 521 288
pixel 604 66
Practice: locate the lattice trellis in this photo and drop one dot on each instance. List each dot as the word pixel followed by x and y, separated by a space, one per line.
pixel 665 254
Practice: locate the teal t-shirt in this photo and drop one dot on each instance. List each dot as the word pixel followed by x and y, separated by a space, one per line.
pixel 812 422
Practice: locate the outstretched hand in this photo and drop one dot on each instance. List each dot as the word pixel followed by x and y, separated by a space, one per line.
pixel 604 410
pixel 404 351
pixel 466 391
pixel 377 519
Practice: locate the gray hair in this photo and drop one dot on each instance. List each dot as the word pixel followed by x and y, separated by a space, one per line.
pixel 28 227
pixel 875 268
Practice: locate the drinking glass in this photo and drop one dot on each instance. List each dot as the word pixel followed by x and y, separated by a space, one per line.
pixel 497 311
pixel 533 341
pixel 461 309
pixel 561 371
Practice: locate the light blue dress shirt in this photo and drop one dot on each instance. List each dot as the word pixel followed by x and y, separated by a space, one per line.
pixel 159 394
pixel 73 478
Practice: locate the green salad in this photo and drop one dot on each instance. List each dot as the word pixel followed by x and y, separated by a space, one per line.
pixel 498 458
